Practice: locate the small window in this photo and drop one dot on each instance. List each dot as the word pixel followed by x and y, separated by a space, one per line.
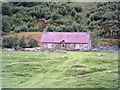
pixel 77 46
pixel 49 46
pixel 63 45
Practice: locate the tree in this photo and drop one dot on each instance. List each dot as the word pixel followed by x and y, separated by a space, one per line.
pixel 94 39
pixel 22 42
pixel 32 43
pixel 91 27
pixel 10 42
pixel 78 9
pixel 88 21
pixel 51 29
pixel 79 20
pixel 6 27
pixel 55 17
pixel 6 9
pixel 7 42
pixel 22 28
pixel 77 16
pixel 88 14
pixel 73 12
pixel 15 41
pixel 63 11
pixel 97 17
pixel 104 18
pixel 57 29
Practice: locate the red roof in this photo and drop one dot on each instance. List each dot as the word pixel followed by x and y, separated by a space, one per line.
pixel 68 37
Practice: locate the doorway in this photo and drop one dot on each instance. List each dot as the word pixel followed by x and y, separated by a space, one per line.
pixel 63 45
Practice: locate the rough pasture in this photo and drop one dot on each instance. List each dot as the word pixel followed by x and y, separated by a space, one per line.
pixel 59 69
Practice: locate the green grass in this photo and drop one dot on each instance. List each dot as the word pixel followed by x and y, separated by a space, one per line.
pixel 59 69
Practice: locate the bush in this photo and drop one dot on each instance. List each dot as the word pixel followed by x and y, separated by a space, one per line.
pixel 15 40
pixel 94 39
pixel 51 29
pixel 22 42
pixel 77 16
pixel 7 42
pixel 6 27
pixel 55 16
pixel 78 9
pixel 33 29
pixel 79 20
pixel 73 12
pixel 59 22
pixel 97 17
pixel 10 42
pixel 32 43
pixel 22 28
pixel 88 14
pixel 88 22
pixel 63 11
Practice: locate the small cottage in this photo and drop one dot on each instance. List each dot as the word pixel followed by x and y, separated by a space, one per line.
pixel 65 41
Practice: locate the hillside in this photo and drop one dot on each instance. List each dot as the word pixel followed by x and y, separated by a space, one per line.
pixel 23 17
pixel 101 19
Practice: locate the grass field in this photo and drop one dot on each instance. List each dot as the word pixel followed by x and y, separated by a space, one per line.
pixel 59 69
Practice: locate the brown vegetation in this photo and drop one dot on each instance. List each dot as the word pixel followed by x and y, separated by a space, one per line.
pixel 35 35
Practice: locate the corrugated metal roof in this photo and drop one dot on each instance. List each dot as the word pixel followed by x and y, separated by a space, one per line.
pixel 68 37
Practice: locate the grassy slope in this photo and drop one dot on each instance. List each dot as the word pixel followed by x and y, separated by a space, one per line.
pixel 58 69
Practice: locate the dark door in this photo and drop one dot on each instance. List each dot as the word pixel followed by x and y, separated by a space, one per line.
pixel 63 45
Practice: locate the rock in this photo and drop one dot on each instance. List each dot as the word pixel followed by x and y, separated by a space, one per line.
pixel 107 48
pixel 99 55
pixel 95 49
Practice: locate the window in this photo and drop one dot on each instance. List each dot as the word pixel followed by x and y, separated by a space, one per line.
pixel 49 46
pixel 77 46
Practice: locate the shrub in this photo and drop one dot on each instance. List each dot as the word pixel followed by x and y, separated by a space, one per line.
pixel 79 20
pixel 77 16
pixel 7 42
pixel 6 27
pixel 94 39
pixel 22 28
pixel 51 29
pixel 59 22
pixel 88 14
pixel 10 42
pixel 55 16
pixel 97 17
pixel 22 42
pixel 63 11
pixel 15 41
pixel 33 29
pixel 88 22
pixel 32 43
pixel 73 12
pixel 78 9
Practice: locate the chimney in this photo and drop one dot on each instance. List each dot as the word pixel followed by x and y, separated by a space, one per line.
pixel 45 30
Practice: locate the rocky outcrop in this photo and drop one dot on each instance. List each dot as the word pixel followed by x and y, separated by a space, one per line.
pixel 107 48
